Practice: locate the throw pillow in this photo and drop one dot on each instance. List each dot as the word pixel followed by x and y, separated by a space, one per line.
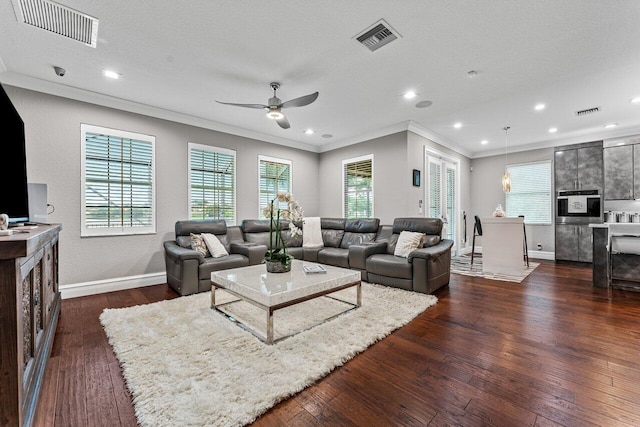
pixel 198 244
pixel 214 245
pixel 408 241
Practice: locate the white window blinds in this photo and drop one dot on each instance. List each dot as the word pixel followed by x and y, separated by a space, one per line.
pixel 117 182
pixel 435 187
pixel 274 177
pixel 357 181
pixel 212 183
pixel 530 193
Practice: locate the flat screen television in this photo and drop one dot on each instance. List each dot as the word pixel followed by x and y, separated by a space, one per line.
pixel 14 197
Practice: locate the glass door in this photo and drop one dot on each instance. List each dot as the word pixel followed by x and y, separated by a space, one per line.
pixel 441 194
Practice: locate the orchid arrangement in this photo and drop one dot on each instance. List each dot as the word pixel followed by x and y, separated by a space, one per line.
pixel 274 212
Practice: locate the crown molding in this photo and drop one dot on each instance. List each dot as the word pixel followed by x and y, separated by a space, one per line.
pixel 56 89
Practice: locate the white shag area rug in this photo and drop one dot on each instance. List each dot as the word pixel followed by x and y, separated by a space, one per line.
pixel 186 364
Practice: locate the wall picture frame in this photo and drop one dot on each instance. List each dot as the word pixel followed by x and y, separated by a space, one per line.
pixel 416 178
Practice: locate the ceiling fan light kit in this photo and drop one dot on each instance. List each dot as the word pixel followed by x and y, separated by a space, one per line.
pixel 275 105
pixel 275 114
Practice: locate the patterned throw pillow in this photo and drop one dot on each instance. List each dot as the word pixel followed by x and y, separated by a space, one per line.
pixel 197 243
pixel 214 245
pixel 408 241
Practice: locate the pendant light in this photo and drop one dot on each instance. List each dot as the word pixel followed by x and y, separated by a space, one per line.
pixel 506 178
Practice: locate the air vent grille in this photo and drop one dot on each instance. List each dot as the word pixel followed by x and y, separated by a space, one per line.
pixel 587 111
pixel 58 19
pixel 378 35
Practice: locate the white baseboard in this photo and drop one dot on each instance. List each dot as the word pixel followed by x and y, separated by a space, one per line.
pixel 109 285
pixel 532 254
pixel 542 255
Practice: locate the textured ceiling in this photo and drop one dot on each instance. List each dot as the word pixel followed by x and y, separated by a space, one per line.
pixel 177 58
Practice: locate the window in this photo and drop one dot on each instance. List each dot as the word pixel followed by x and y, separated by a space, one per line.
pixel 274 177
pixel 118 182
pixel 212 183
pixel 357 184
pixel 530 193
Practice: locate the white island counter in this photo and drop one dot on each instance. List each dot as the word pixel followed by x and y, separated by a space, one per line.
pixel 502 245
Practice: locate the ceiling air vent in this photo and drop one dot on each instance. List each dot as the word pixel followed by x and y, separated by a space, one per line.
pixel 378 35
pixel 58 19
pixel 587 111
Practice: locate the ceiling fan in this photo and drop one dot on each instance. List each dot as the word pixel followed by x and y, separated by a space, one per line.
pixel 275 105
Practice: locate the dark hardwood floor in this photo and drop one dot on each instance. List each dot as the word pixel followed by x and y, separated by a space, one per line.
pixel 550 351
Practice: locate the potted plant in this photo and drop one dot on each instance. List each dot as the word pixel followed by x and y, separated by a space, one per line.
pixel 277 259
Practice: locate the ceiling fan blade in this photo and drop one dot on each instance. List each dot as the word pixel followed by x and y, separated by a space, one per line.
pixel 300 102
pixel 258 106
pixel 283 123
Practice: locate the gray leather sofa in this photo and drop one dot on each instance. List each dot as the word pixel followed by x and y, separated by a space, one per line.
pixel 338 235
pixel 189 272
pixel 358 244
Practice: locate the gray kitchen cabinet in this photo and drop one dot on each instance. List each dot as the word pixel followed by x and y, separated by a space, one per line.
pixel 566 169
pixel 574 243
pixel 619 173
pixel 579 168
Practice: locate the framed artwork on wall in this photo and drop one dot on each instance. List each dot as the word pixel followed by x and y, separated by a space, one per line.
pixel 416 178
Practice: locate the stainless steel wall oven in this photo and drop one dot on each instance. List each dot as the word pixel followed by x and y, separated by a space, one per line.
pixel 579 207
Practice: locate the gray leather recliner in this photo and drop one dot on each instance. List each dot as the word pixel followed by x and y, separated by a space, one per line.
pixel 425 270
pixel 189 272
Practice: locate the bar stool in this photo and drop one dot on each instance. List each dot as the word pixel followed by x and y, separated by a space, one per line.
pixel 525 250
pixel 477 231
pixel 623 239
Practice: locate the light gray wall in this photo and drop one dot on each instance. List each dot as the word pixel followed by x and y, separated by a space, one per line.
pixel 486 193
pixel 52 128
pixel 395 157
pixel 390 176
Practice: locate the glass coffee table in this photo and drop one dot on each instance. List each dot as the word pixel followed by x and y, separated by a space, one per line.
pixel 273 291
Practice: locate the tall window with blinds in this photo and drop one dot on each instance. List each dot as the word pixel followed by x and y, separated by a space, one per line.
pixel 274 177
pixel 357 184
pixel 212 183
pixel 118 182
pixel 530 193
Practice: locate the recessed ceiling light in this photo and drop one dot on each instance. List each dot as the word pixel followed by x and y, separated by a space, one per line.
pixel 111 74
pixel 309 131
pixel 484 142
pixel 539 107
pixel 472 73
pixel 553 130
pixel 410 94
pixel 636 100
pixel 457 125
pixel 610 125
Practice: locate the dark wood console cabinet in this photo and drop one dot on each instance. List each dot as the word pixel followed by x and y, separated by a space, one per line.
pixel 29 309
